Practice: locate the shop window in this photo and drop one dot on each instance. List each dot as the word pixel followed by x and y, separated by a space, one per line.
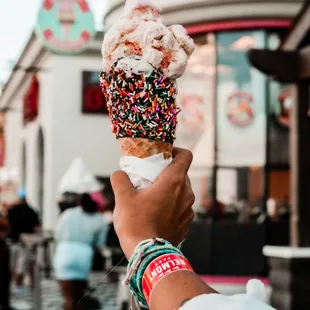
pixel 241 102
pixel 279 117
pixel 202 183
pixel 280 103
pixel 93 99
pixel 196 124
pixel 279 183
pixel 240 193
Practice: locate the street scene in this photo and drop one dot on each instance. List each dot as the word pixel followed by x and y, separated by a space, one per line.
pixel 154 154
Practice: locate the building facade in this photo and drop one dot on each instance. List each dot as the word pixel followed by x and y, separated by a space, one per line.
pixel 234 120
pixel 69 120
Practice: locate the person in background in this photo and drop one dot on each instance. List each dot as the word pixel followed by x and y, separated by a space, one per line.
pixel 66 201
pixel 164 211
pixel 4 266
pixel 79 232
pixel 22 219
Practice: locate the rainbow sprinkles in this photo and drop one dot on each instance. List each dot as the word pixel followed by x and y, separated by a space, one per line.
pixel 141 106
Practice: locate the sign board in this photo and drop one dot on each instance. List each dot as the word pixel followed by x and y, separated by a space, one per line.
pixel 65 26
pixel 31 101
pixel 240 111
pixel 93 99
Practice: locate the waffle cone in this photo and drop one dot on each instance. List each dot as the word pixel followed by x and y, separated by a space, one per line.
pixel 142 148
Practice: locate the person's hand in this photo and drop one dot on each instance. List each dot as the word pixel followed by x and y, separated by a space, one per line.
pixel 162 210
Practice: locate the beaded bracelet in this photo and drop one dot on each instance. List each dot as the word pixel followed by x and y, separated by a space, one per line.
pixel 145 253
pixel 136 281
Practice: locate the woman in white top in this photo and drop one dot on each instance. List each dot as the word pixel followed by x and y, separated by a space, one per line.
pixel 79 231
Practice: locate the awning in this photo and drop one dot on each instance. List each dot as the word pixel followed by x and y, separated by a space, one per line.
pixel 291 62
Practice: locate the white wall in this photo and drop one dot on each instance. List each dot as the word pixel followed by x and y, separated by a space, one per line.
pixel 30 137
pixel 13 130
pixel 69 133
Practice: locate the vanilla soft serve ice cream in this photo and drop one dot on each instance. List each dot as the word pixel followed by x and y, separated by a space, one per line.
pixel 139 42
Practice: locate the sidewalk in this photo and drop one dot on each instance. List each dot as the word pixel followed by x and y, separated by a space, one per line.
pixel 52 299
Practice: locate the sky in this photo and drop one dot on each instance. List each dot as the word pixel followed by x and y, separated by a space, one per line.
pixel 17 21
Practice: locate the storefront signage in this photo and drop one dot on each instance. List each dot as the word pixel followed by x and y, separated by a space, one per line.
pixel 240 109
pixel 31 101
pixel 193 118
pixel 65 26
pixel 93 99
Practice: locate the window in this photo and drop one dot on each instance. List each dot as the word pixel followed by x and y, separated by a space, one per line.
pixel 93 99
pixel 241 102
pixel 196 124
pixel 280 102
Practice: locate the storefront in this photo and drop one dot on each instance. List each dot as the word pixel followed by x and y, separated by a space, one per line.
pixel 55 112
pixel 235 121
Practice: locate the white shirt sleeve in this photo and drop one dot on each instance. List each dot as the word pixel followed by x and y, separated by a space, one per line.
pixel 252 300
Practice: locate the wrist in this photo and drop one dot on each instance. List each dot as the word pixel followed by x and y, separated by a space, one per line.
pixel 129 243
pixel 152 260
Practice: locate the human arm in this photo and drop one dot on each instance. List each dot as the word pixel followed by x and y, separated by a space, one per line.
pixel 176 289
pixel 162 210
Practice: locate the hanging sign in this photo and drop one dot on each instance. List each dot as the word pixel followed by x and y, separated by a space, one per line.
pixel 31 101
pixel 240 109
pixel 65 26
pixel 93 99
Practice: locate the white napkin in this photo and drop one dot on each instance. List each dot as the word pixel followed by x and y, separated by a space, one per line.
pixel 142 172
pixel 254 299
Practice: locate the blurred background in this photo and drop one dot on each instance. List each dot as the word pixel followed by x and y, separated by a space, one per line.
pixel 55 130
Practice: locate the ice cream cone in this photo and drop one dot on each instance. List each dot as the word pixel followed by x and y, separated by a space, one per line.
pixel 143 148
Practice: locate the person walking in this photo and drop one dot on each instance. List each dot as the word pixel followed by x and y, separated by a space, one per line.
pixel 4 266
pixel 79 232
pixel 22 219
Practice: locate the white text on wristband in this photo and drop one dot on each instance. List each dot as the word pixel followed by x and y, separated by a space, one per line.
pixel 159 268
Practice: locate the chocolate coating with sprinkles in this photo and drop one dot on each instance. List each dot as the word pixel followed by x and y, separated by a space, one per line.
pixel 141 106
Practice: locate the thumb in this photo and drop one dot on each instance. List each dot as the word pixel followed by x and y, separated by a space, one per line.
pixel 121 184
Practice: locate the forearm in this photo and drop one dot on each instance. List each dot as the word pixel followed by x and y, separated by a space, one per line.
pixel 175 289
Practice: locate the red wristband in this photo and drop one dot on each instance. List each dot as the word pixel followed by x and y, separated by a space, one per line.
pixel 159 268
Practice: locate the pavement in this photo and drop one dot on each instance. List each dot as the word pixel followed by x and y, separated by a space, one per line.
pixel 104 291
